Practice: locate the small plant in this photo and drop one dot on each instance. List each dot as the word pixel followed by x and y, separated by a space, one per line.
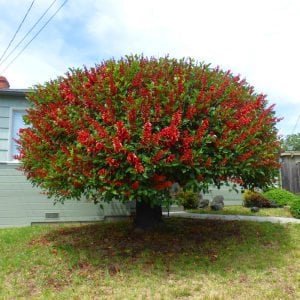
pixel 252 198
pixel 187 199
pixel 280 196
pixel 295 207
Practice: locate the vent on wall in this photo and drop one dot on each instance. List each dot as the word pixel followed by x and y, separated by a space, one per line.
pixel 51 215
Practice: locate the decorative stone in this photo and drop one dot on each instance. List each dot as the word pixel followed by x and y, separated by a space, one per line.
pixel 254 209
pixel 203 203
pixel 217 203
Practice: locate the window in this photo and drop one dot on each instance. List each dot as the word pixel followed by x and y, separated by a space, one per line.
pixel 16 123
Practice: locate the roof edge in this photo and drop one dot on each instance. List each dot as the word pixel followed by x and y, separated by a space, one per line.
pixel 15 92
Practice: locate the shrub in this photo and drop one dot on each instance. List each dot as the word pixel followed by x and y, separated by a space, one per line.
pixel 280 196
pixel 187 199
pixel 295 207
pixel 252 198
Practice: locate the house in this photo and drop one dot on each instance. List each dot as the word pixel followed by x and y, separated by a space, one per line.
pixel 290 171
pixel 20 203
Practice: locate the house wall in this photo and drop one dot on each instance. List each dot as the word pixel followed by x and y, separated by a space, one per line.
pixel 231 197
pixel 21 204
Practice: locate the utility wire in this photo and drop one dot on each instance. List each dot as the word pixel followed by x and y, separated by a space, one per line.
pixel 25 36
pixel 18 29
pixel 13 60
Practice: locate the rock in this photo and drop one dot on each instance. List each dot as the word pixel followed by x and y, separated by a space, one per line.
pixel 254 209
pixel 203 203
pixel 217 203
pixel 216 206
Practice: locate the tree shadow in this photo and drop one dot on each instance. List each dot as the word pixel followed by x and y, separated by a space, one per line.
pixel 179 245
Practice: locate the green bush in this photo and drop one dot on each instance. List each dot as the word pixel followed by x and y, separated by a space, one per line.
pixel 280 197
pixel 252 198
pixel 295 207
pixel 187 199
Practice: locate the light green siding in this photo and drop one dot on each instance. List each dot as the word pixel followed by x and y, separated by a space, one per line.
pixel 22 205
pixel 231 197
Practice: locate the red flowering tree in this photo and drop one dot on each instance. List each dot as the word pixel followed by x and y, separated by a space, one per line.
pixel 129 129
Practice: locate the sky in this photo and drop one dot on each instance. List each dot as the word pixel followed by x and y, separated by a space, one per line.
pixel 258 39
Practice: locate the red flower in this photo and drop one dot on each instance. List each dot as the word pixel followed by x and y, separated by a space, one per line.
pixel 187 156
pixel 134 160
pixel 135 185
pixel 170 158
pixel 202 129
pixel 191 112
pixel 112 162
pixel 137 80
pixel 83 137
pixel 147 133
pixel 168 136
pixel 102 172
pixel 176 119
pixel 158 156
pixel 122 132
pixel 164 185
pixel 118 147
pixel 139 168
pixel 158 178
pixel 100 146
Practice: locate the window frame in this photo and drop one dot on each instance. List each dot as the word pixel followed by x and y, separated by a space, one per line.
pixel 10 155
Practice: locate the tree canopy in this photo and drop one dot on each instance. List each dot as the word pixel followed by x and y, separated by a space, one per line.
pixel 129 129
pixel 291 142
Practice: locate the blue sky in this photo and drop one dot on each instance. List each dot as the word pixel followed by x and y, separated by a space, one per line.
pixel 258 39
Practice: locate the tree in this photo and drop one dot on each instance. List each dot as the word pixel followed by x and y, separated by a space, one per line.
pixel 129 129
pixel 291 142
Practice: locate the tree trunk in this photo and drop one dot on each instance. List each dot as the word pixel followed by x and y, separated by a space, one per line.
pixel 147 216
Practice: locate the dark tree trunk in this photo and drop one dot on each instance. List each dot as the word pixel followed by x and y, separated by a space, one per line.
pixel 147 216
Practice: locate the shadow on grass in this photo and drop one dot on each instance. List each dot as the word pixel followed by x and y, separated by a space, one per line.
pixel 179 246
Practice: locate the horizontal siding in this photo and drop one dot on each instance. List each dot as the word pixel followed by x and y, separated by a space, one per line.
pixel 9 169
pixel 231 197
pixel 3 144
pixel 22 205
pixel 4 111
pixel 3 155
pixel 13 179
pixel 4 123
pixel 4 134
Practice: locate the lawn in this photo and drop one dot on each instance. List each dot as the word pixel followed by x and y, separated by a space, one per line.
pixel 184 259
pixel 245 211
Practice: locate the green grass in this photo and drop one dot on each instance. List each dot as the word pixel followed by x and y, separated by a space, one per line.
pixel 184 259
pixel 245 211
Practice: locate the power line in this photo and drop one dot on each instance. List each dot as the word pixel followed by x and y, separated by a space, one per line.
pixel 18 29
pixel 13 60
pixel 25 36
